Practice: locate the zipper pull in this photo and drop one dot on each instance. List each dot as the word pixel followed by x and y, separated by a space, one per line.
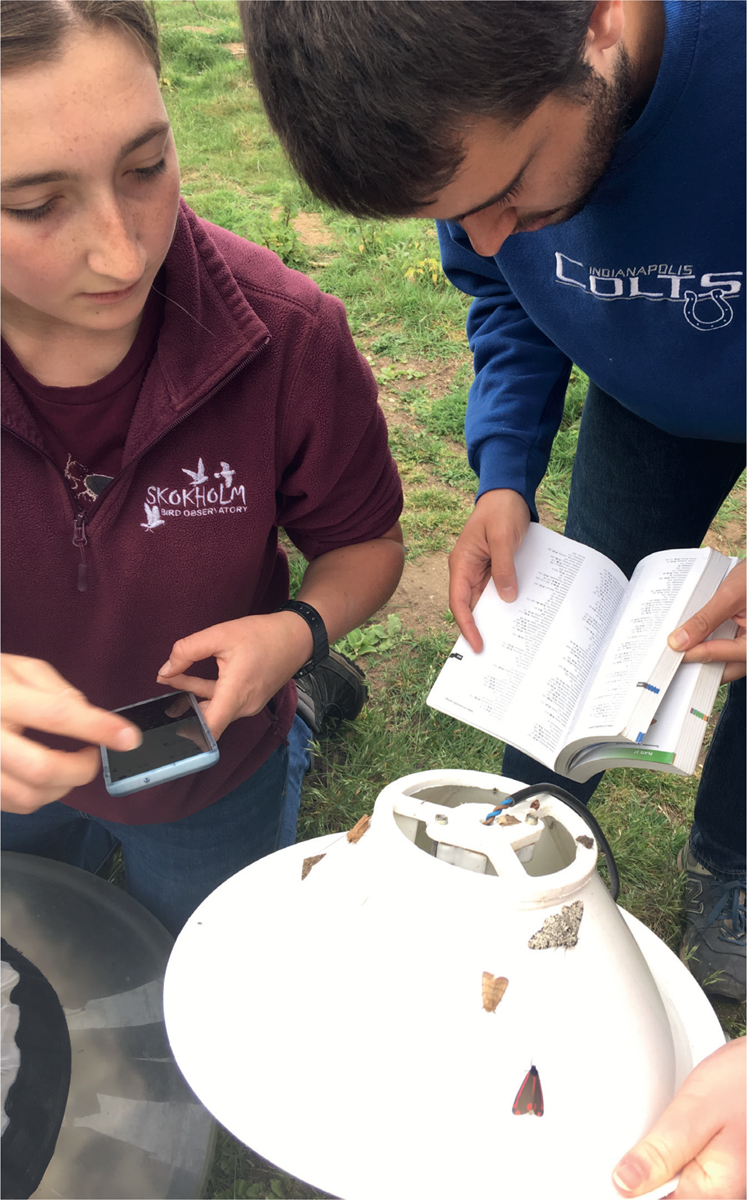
pixel 80 540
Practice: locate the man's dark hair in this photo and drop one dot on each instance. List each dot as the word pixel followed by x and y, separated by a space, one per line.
pixel 370 97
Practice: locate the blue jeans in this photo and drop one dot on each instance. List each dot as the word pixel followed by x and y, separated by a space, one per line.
pixel 636 489
pixel 171 868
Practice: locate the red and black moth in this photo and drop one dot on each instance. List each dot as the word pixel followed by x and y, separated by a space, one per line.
pixel 529 1096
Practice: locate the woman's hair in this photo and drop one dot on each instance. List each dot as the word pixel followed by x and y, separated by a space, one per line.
pixel 34 31
pixel 370 98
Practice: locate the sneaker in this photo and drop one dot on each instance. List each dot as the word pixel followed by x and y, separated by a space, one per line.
pixel 334 691
pixel 713 946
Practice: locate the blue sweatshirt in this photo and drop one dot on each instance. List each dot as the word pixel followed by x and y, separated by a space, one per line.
pixel 643 290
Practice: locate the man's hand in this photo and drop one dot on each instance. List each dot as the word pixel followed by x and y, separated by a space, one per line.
pixel 727 601
pixel 255 655
pixel 486 546
pixel 701 1134
pixel 35 696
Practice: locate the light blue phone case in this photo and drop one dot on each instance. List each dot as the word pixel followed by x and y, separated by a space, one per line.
pixel 133 770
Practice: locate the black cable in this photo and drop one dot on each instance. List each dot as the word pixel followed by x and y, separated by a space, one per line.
pixel 559 793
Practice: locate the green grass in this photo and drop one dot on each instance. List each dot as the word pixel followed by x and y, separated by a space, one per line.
pixel 444 415
pixel 410 323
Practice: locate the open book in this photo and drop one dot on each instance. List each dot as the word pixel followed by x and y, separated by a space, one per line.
pixel 576 672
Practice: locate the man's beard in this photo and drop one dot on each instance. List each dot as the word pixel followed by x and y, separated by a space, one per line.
pixel 608 106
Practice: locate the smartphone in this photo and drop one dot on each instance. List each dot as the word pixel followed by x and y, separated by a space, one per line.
pixel 176 742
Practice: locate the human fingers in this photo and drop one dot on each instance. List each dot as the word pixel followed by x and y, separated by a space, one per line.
pixel 678 1136
pixel 716 1177
pixel 464 591
pixel 726 650
pixel 33 775
pixel 203 688
pixel 236 694
pixel 180 705
pixel 36 696
pixel 733 671
pixel 727 601
pixel 256 656
pixel 506 522
pixel 217 641
pixel 486 545
pixel 225 696
pixel 701 1134
pixel 186 651
pixel 503 572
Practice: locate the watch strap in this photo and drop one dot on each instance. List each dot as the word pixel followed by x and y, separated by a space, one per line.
pixel 318 632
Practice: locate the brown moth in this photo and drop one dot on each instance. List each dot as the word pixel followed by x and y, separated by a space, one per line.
pixel 356 833
pixel 585 840
pixel 308 863
pixel 492 990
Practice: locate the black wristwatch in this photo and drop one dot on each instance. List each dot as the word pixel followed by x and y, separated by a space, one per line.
pixel 318 631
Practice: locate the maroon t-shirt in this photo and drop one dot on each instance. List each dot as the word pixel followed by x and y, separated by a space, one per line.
pixel 85 428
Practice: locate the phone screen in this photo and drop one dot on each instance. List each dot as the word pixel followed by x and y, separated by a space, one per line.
pixel 171 732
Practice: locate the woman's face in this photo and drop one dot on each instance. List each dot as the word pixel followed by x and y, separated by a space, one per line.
pixel 90 186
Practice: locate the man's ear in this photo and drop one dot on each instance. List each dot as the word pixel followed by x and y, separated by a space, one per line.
pixel 606 27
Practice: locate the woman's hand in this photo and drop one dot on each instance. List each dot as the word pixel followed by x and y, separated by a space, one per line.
pixel 701 1134
pixel 35 696
pixel 255 656
pixel 727 601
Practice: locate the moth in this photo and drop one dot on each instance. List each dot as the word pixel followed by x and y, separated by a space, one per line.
pixel 585 840
pixel 308 863
pixel 529 1096
pixel 492 990
pixel 561 929
pixel 356 833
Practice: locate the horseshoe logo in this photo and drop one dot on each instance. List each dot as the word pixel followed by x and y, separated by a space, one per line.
pixel 717 296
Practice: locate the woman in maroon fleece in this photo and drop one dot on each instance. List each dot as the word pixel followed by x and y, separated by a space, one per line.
pixel 172 395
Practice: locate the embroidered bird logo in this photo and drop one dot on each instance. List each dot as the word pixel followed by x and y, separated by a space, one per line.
pixel 197 476
pixel 153 517
pixel 226 472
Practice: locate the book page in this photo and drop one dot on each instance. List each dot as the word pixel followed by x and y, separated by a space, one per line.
pixel 636 643
pixel 663 735
pixel 539 651
pixel 678 728
pixel 675 736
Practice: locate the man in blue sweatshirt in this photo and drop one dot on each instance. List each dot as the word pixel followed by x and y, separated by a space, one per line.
pixel 585 165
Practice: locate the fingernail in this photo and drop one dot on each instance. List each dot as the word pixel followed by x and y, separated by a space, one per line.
pixel 678 640
pixel 629 1174
pixel 166 668
pixel 127 739
pixel 508 594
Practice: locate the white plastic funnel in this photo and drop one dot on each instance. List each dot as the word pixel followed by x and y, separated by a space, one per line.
pixel 343 1034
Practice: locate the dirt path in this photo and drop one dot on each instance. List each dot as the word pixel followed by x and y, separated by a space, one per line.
pixel 422 598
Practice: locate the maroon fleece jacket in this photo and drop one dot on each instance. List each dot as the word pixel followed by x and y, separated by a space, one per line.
pixel 257 412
